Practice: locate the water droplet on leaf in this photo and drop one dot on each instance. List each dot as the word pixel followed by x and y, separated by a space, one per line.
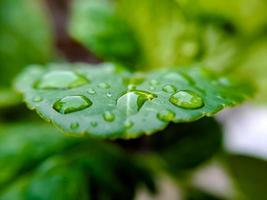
pixel 154 82
pixel 71 104
pixel 91 91
pixel 109 94
pixel 169 89
pixel 37 99
pixel 166 115
pixel 187 99
pixel 61 80
pixel 93 124
pixel 128 124
pixel 108 116
pixel 74 125
pixel 104 85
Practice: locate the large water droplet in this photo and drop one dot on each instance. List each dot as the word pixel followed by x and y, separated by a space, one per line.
pixel 71 104
pixel 169 89
pixel 61 80
pixel 132 101
pixel 187 99
pixel 104 85
pixel 108 116
pixel 166 115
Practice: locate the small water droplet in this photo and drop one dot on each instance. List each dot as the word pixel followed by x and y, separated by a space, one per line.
pixel 131 87
pixel 154 82
pixel 169 88
pixel 91 91
pixel 74 125
pixel 224 81
pixel 71 104
pixel 166 115
pixel 109 94
pixel 61 80
pixel 104 85
pixel 108 116
pixel 37 99
pixel 93 124
pixel 152 88
pixel 187 99
pixel 128 124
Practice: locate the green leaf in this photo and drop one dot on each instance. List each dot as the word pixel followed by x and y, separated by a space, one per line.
pixel 95 24
pixel 185 146
pixel 247 16
pixel 255 62
pixel 110 102
pixel 250 175
pixel 50 163
pixel 8 98
pixel 22 146
pixel 22 43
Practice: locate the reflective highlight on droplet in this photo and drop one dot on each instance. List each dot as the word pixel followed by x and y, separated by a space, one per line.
pixel 71 104
pixel 187 99
pixel 61 80
pixel 108 116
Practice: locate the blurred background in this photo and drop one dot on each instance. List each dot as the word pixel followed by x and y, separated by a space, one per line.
pixel 220 158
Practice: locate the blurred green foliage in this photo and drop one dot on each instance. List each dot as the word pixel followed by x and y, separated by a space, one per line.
pixel 39 163
pixel 183 32
pixel 250 176
pixel 25 36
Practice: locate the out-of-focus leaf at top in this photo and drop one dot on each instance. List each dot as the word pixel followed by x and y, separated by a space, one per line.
pixel 96 24
pixel 220 51
pixel 165 35
pixel 250 175
pixel 246 15
pixel 254 67
pixel 109 102
pixel 25 37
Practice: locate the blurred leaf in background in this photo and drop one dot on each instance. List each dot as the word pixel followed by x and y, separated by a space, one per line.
pixel 25 38
pixel 248 17
pixel 37 162
pixel 96 24
pixel 250 175
pixel 185 146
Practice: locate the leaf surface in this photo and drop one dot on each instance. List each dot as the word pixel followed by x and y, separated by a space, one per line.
pixel 108 101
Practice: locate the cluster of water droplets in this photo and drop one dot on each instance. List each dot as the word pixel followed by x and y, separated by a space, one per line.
pixel 130 103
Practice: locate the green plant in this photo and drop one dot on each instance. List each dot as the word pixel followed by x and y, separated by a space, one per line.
pixel 146 111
